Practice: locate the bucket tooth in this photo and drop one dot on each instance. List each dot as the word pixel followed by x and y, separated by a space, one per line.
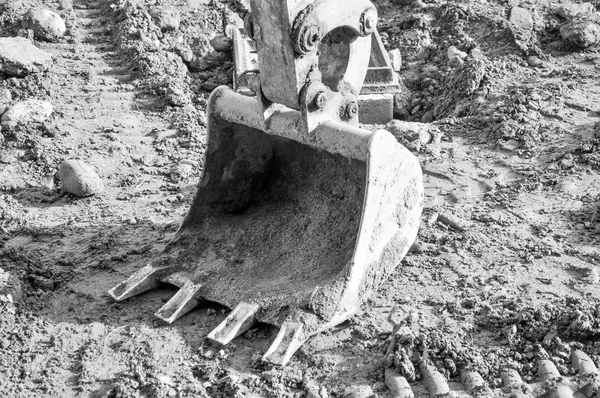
pixel 586 368
pixel 237 322
pixel 511 379
pixel 288 340
pixel 436 384
pixel 181 303
pixel 473 383
pixel 141 281
pixel 547 370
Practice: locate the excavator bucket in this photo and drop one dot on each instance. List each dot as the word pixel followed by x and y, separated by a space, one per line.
pixel 298 217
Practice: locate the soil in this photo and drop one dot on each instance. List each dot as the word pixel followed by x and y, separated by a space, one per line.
pixel 504 271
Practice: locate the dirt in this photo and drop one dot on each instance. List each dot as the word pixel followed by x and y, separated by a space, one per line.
pixel 504 271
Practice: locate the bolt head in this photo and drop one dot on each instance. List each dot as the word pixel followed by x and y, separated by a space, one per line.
pixel 312 35
pixel 351 110
pixel 320 99
pixel 370 20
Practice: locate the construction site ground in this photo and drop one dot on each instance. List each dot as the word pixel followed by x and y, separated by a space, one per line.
pixel 507 254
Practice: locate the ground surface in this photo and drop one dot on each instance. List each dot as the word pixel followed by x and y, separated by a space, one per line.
pixel 517 168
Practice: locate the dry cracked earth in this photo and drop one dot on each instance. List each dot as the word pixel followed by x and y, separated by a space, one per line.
pixel 500 104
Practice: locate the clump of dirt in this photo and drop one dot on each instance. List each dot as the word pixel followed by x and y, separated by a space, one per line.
pixel 523 335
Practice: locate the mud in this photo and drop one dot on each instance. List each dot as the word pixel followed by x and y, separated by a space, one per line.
pixel 515 159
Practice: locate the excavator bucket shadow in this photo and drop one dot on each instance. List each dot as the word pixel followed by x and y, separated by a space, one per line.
pixel 283 232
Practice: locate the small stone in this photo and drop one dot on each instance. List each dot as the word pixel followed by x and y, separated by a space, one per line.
pixel 166 18
pixel 521 19
pixel 46 24
pixel 19 57
pixel 428 117
pixel 571 10
pixel 412 134
pixel 592 276
pixel 28 111
pixel 164 379
pixel 79 178
pixel 221 43
pixel 395 59
pixel 416 248
pixel 581 33
pixel 360 391
pixel 5 100
pixel 10 287
pixel 534 61
pixel 455 56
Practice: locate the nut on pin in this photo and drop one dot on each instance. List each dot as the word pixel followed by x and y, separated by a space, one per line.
pixel 369 20
pixel 350 111
pixel 320 100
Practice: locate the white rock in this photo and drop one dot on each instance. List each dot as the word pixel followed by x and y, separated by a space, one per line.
pixel 455 56
pixel 5 100
pixel 19 57
pixel 46 24
pixel 521 18
pixel 534 61
pixel 395 59
pixel 360 391
pixel 10 287
pixel 28 111
pixel 166 18
pixel 571 10
pixel 79 178
pixel 581 32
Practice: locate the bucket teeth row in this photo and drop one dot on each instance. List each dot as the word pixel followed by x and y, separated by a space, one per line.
pixel 141 281
pixel 549 384
pixel 242 318
pixel 181 303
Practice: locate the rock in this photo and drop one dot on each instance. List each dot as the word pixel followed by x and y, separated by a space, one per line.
pixel 581 32
pixel 184 51
pixel 5 100
pixel 521 18
pixel 413 135
pixel 46 24
pixel 455 56
pixel 360 391
pixel 79 178
pixel 10 287
pixel 221 43
pixel 166 18
pixel 314 391
pixel 570 11
pixel 403 2
pixel 19 57
pixel 417 248
pixel 534 61
pixel 28 111
pixel 428 117
pixel 395 59
pixel 209 61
